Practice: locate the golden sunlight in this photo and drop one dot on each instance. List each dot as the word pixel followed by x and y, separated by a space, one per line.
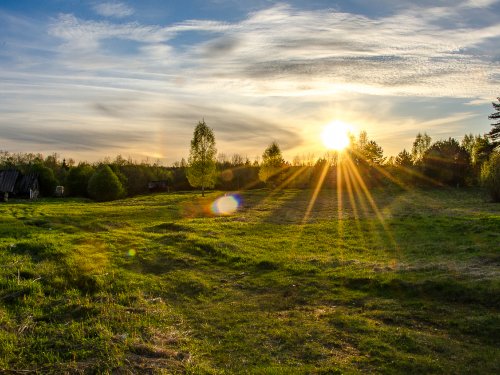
pixel 335 135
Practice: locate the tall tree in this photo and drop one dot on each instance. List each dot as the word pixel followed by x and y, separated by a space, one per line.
pixel 495 132
pixel 490 176
pixel 479 148
pixel 373 153
pixel 447 162
pixel 201 170
pixel 272 164
pixel 421 144
pixel 468 142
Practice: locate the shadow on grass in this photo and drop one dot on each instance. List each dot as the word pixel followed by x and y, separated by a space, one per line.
pixel 292 205
pixel 449 291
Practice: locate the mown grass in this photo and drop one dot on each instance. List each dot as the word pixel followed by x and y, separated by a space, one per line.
pixel 156 284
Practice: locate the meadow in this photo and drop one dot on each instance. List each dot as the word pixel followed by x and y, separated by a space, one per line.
pixel 394 281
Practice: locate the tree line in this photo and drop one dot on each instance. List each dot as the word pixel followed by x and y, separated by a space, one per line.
pixel 473 161
pixel 103 180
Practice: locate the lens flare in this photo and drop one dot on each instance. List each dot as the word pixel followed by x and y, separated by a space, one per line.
pixel 131 253
pixel 226 205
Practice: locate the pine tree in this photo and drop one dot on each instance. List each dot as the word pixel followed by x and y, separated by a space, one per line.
pixel 201 170
pixel 403 159
pixel 495 132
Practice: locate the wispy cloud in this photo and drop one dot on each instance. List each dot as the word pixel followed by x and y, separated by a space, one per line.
pixel 404 55
pixel 479 3
pixel 270 75
pixel 113 9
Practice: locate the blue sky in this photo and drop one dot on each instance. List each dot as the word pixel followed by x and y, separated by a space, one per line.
pixel 89 79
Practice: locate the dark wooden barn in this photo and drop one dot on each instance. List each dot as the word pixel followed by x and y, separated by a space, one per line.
pixel 160 185
pixel 14 183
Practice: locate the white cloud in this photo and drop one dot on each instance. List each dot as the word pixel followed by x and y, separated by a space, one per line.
pixel 282 63
pixel 285 51
pixel 113 9
pixel 479 3
pixel 74 30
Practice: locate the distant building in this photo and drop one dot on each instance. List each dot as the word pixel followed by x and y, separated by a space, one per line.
pixel 59 191
pixel 160 185
pixel 14 183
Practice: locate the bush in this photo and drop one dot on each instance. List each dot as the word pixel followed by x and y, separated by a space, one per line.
pixel 78 179
pixel 46 179
pixel 104 185
pixel 490 176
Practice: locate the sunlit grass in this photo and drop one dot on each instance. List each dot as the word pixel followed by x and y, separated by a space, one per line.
pixel 159 283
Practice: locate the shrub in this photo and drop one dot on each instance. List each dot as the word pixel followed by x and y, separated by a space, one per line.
pixel 490 176
pixel 104 185
pixel 46 179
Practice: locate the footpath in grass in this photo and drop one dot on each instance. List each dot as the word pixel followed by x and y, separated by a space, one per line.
pixel 398 282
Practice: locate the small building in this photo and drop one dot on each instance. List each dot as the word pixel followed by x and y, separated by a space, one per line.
pixel 59 191
pixel 14 183
pixel 160 185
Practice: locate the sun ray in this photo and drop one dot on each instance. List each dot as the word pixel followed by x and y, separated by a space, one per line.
pixel 340 215
pixel 317 189
pixel 372 203
pixel 359 193
pixel 354 206
pixel 280 187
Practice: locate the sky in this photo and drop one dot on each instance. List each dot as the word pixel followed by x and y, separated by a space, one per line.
pixel 89 79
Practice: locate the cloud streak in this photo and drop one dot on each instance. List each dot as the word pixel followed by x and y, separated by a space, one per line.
pixel 113 9
pixel 266 76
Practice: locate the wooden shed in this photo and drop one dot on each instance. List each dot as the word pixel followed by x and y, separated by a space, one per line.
pixel 14 183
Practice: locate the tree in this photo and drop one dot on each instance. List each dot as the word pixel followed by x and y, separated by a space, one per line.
pixel 237 160
pixel 479 149
pixel 46 179
pixel 490 176
pixel 78 179
pixel 201 170
pixel 404 159
pixel 495 132
pixel 403 167
pixel 364 151
pixel 104 185
pixel 356 147
pixel 447 162
pixel 468 142
pixel 421 144
pixel 373 153
pixel 272 164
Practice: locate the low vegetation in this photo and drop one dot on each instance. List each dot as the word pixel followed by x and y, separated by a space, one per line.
pixel 405 283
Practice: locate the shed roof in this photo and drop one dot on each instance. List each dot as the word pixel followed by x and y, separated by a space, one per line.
pixel 27 182
pixel 8 180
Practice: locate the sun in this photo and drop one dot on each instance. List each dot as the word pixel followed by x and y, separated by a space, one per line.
pixel 335 135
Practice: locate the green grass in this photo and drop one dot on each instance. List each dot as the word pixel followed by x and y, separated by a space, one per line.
pixel 155 284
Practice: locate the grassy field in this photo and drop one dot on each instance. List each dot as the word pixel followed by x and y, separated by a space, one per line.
pixel 406 283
